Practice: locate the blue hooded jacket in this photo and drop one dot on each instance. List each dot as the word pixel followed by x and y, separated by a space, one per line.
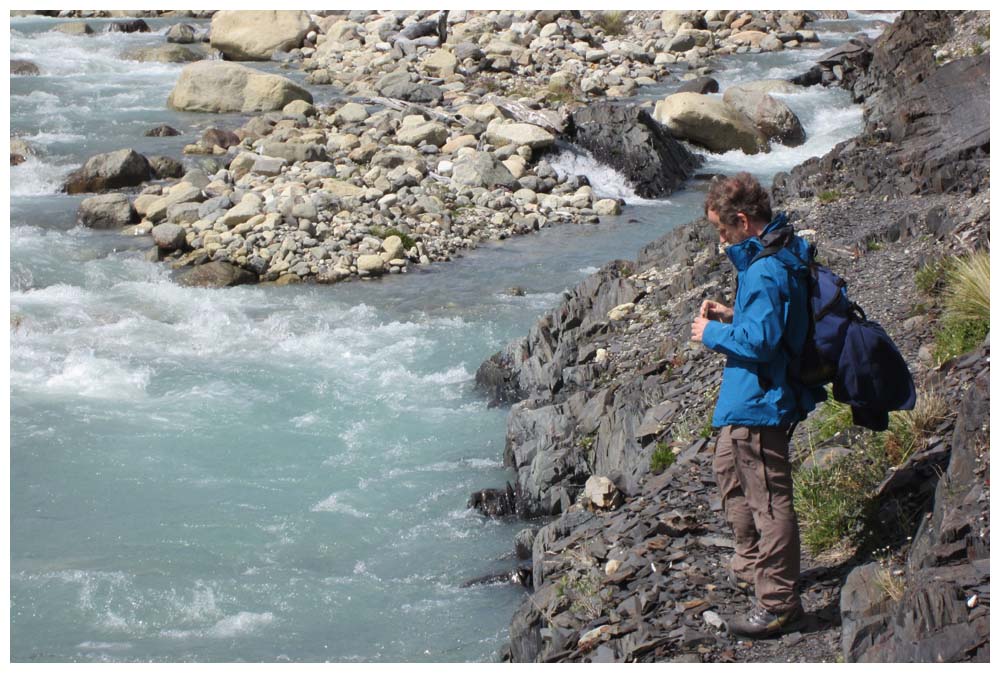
pixel 770 307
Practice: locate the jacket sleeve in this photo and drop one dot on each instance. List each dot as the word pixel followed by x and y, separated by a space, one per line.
pixel 758 324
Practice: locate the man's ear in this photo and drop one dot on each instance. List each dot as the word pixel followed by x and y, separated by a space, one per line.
pixel 743 222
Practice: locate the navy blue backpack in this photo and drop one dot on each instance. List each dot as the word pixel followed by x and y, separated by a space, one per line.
pixel 843 347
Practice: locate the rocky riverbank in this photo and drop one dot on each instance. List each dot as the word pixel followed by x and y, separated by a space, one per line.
pixel 444 143
pixel 608 379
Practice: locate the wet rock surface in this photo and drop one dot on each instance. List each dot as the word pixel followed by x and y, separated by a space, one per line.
pixel 632 142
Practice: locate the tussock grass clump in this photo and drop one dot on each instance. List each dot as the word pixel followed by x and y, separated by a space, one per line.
pixel 835 502
pixel 662 458
pixel 831 418
pixel 966 319
pixel 612 22
pixel 829 196
pixel 890 580
pixel 967 294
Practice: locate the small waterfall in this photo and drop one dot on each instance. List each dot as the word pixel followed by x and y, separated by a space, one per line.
pixel 604 180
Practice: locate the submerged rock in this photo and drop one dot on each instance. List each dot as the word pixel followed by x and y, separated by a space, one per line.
pixel 131 26
pixel 22 67
pixel 216 274
pixel 161 131
pixel 74 28
pixel 169 53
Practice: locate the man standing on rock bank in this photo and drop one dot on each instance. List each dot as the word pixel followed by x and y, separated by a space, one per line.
pixel 758 403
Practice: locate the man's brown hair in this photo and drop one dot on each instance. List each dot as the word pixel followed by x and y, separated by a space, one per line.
pixel 740 193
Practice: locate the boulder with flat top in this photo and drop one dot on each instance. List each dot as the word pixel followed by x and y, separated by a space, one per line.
pixel 709 122
pixel 216 86
pixel 254 35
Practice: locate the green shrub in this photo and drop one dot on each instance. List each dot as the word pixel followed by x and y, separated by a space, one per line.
pixel 384 233
pixel 958 335
pixel 663 457
pixel 835 502
pixel 612 23
pixel 829 196
pixel 930 279
pixel 831 418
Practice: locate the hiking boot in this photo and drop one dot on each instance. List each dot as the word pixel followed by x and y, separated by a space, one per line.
pixel 760 623
pixel 738 585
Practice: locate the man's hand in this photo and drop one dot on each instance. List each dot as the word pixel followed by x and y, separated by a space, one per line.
pixel 698 328
pixel 713 310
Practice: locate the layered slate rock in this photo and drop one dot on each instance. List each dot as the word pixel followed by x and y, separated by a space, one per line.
pixel 646 581
pixel 942 614
pixel 926 126
pixel 628 139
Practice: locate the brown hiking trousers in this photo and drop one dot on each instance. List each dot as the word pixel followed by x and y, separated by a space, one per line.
pixel 754 476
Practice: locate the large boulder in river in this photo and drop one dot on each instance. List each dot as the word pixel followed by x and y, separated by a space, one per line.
pixel 106 211
pixel 633 143
pixel 255 34
pixel 771 116
pixel 215 86
pixel 124 168
pixel 216 274
pixel 709 122
pixel 169 236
